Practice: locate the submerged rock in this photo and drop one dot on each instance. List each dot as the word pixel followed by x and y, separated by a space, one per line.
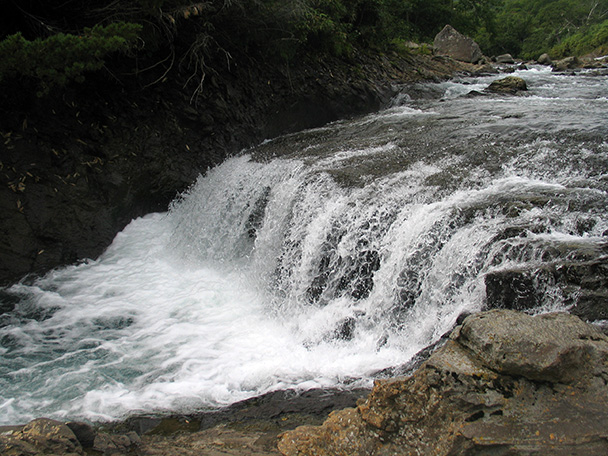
pixel 452 43
pixel 510 84
pixel 504 383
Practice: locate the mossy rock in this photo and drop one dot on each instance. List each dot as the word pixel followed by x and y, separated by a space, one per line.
pixel 510 84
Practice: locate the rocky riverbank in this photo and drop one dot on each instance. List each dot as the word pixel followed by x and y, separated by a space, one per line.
pixel 247 428
pixel 502 383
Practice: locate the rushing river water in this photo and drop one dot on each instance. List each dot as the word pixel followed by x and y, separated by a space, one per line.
pixel 319 258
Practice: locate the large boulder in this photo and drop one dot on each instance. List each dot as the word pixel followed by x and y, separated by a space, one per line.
pixel 457 46
pixel 44 436
pixel 504 383
pixel 510 85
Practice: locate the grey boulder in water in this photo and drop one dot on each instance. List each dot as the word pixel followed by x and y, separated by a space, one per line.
pixel 544 59
pixel 569 63
pixel 504 383
pixel 510 84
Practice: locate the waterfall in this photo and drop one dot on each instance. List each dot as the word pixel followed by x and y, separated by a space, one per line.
pixel 317 259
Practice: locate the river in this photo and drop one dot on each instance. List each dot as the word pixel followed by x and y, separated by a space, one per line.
pixel 318 259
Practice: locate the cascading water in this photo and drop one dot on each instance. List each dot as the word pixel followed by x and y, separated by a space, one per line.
pixel 319 258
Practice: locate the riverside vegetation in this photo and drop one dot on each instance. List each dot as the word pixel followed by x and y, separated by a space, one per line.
pixel 53 43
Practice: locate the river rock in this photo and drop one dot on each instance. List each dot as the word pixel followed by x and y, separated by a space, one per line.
pixel 510 85
pixel 485 70
pixel 457 46
pixel 544 59
pixel 44 436
pixel 115 444
pixel 504 383
pixel 85 433
pixel 515 289
pixel 569 63
pixel 505 58
pixel 38 437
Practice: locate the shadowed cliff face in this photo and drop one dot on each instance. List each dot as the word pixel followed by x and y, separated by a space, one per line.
pixel 78 165
pixel 504 383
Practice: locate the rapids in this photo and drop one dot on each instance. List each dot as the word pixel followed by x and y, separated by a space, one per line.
pixel 317 259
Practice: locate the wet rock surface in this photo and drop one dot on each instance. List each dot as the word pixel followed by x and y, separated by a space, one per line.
pixel 247 428
pixel 509 85
pixel 582 285
pixel 40 436
pixel 504 383
pixel 569 63
pixel 505 58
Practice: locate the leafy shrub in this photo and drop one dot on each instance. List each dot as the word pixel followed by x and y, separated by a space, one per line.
pixel 595 38
pixel 528 28
pixel 61 58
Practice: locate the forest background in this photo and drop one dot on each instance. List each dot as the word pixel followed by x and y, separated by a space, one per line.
pixel 48 43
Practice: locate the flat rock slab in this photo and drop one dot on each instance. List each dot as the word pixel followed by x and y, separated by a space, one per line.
pixel 554 348
pixel 218 441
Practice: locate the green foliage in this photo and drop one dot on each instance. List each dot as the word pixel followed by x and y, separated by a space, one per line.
pixel 61 58
pixel 324 25
pixel 528 28
pixel 53 45
pixel 289 27
pixel 337 26
pixel 592 39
